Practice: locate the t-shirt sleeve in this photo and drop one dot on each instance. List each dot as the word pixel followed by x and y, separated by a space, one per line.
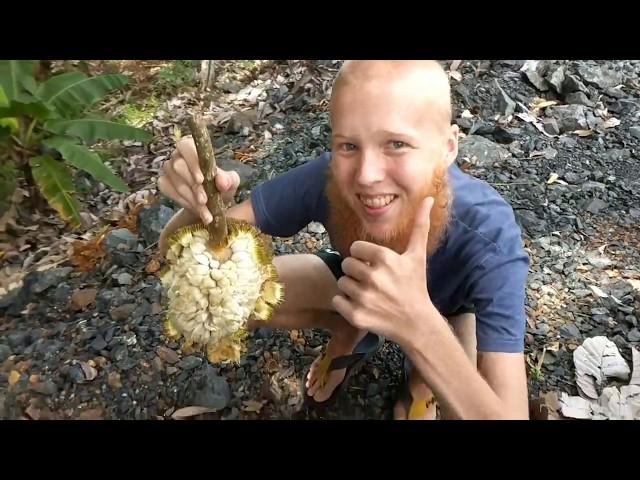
pixel 285 204
pixel 497 290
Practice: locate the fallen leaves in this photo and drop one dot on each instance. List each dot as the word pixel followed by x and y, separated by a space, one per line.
pixel 14 377
pixel 153 266
pixel 253 406
pixel 87 254
pixel 188 412
pixel 583 133
pixel 92 414
pixel 611 122
pixel 82 298
pixel 596 359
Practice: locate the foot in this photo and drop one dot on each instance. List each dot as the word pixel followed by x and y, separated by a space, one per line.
pixel 416 402
pixel 319 385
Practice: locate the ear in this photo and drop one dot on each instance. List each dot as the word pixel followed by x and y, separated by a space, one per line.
pixel 451 145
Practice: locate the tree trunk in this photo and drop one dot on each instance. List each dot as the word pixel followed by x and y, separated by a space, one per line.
pixel 207 74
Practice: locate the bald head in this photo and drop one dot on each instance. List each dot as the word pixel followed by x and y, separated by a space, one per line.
pixel 425 80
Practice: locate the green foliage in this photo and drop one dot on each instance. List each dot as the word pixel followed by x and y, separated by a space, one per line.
pixel 177 74
pixel 54 115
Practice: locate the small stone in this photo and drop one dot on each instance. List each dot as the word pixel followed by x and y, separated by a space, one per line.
pixel 569 117
pixel 570 330
pixel 62 293
pixel 635 131
pixel 76 374
pixel 46 388
pixel 114 380
pixel 121 240
pixel 18 339
pixel 631 320
pixel 5 352
pixel 578 98
pixel 119 353
pixel 190 362
pixel 481 152
pixel 122 312
pixel 572 177
pixel 595 205
pixel 124 278
pixel 543 329
pixel 599 261
pixel 98 343
pixel 171 370
pixel 603 78
pixel 167 355
pixel 207 389
pixel 152 220
pixel 316 227
pixel 634 335
pixel 49 278
pixel 556 79
pixel 505 104
pixel 599 311
pixel 550 126
pixel 536 80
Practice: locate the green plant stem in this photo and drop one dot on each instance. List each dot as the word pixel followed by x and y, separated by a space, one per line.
pixel 29 132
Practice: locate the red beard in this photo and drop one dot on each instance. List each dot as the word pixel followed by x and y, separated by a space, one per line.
pixel 345 227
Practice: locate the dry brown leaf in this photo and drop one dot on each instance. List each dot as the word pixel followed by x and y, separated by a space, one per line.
pixel 187 412
pixel 14 377
pixel 153 266
pixel 596 359
pixel 252 406
pixel 81 299
pixel 611 122
pixel 87 254
pixel 540 103
pixel 89 372
pixel 583 133
pixel 575 407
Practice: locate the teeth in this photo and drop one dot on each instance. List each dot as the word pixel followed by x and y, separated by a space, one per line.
pixel 377 202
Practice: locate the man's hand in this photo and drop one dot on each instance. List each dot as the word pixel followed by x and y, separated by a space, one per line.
pixel 182 180
pixel 383 291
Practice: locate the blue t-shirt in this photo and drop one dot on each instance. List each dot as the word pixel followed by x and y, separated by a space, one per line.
pixel 481 263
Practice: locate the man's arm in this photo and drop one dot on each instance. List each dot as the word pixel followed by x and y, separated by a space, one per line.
pixel 496 390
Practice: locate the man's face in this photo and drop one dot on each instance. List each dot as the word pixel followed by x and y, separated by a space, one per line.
pixel 388 148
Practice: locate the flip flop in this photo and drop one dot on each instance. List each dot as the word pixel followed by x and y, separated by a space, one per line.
pixel 367 347
pixel 416 409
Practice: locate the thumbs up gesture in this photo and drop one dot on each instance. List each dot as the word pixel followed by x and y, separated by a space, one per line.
pixel 383 291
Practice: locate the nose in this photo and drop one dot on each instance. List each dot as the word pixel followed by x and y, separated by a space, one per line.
pixel 371 169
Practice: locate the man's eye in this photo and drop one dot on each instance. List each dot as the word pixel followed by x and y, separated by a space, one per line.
pixel 348 147
pixel 397 144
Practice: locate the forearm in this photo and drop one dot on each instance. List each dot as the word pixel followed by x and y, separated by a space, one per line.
pixel 436 353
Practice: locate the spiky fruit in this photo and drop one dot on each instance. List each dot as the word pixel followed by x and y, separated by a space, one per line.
pixel 213 292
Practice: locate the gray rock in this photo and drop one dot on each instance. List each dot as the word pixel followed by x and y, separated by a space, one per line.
pixel 246 172
pixel 241 122
pixel 98 343
pixel 595 205
pixel 550 126
pixel 5 352
pixel 316 227
pixel 601 77
pixel 207 389
pixel 599 311
pixel 481 152
pixel 578 98
pixel 543 329
pixel 123 259
pixel 556 78
pixel 120 239
pixel 18 339
pixel 49 278
pixel 570 330
pixel 599 261
pixel 529 221
pixel 569 117
pixel 505 104
pixel 122 312
pixel 591 185
pixel 633 335
pixel 119 353
pixel 76 374
pixel 631 320
pixel 572 177
pixel 152 220
pixel 124 278
pixel 537 80
pixel 635 131
pixel 45 388
pixel 189 363
pixel 625 308
pixel 572 84
pixel 62 293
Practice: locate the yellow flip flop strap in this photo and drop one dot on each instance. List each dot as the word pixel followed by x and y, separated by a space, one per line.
pixel 323 366
pixel 419 408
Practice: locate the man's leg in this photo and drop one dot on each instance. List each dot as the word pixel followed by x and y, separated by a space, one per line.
pixel 464 327
pixel 309 286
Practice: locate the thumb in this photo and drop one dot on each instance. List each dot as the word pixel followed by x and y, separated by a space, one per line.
pixel 420 234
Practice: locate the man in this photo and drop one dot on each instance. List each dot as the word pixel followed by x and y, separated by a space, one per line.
pixel 426 256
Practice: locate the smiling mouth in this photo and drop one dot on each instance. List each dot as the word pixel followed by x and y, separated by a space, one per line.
pixel 376 201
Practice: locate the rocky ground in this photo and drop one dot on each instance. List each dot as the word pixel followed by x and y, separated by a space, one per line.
pixel 80 314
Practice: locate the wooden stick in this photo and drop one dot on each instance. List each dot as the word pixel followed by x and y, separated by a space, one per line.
pixel 218 227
